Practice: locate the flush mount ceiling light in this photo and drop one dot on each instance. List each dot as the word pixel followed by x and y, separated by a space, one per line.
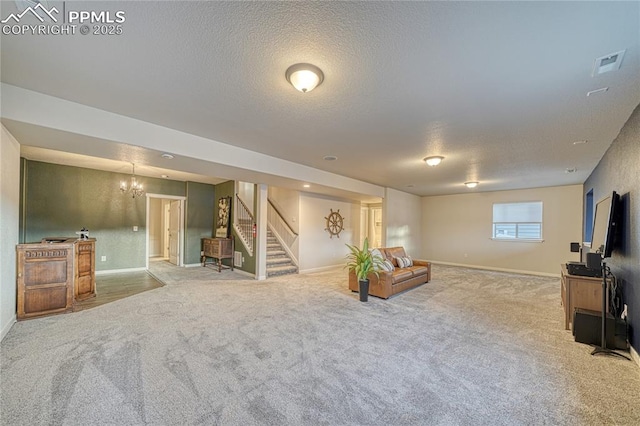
pixel 471 184
pixel 330 158
pixel 304 77
pixel 434 160
pixel 571 170
pixel 306 185
pixel 167 156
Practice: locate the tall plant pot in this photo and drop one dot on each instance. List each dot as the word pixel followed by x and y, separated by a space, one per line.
pixel 364 290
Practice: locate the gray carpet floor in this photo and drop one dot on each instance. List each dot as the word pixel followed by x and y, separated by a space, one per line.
pixel 471 347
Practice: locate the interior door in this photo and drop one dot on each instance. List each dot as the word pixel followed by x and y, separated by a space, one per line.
pixel 174 232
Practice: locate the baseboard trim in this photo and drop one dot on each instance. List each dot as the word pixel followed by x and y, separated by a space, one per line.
pixel 120 271
pixel 634 355
pixel 7 328
pixel 245 273
pixel 491 268
pixel 321 269
pixel 192 265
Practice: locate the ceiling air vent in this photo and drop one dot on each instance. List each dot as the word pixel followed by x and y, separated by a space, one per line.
pixel 610 62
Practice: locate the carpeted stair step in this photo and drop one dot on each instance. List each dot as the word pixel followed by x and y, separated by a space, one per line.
pixel 281 270
pixel 281 260
pixel 276 253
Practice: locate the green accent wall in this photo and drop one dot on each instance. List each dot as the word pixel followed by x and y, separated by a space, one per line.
pixel 198 218
pixel 59 200
pixel 227 189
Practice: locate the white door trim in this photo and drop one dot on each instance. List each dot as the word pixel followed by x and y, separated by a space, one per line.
pixel 181 232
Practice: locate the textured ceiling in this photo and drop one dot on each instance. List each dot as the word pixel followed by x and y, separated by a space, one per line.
pixel 497 88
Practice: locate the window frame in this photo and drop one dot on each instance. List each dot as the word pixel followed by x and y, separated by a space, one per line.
pixel 517 223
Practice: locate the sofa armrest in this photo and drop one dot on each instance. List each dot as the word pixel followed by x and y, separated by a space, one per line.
pixel 379 286
pixel 419 262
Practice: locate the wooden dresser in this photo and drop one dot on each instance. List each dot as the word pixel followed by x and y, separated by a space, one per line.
pixel 579 292
pixel 53 274
pixel 217 249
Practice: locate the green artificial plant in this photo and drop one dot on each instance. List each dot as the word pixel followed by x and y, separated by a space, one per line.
pixel 362 262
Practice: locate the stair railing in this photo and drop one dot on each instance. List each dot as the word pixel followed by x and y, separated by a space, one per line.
pixel 281 229
pixel 244 225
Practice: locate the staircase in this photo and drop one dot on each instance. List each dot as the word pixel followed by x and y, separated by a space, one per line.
pixel 278 262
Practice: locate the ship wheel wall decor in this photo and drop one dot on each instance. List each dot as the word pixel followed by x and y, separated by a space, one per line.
pixel 335 223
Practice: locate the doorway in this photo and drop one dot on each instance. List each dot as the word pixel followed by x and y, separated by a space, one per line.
pixel 165 229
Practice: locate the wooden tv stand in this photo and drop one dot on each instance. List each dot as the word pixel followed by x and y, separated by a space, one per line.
pixel 579 292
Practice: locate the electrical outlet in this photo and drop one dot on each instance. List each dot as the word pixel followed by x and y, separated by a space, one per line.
pixel 201 253
pixel 135 229
pixel 103 259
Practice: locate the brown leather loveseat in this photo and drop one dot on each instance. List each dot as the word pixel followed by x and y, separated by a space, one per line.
pixel 400 279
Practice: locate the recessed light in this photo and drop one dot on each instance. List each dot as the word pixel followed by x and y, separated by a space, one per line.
pixel 330 157
pixel 600 90
pixel 471 184
pixel 167 156
pixel 165 176
pixel 581 142
pixel 434 160
pixel 306 185
pixel 571 170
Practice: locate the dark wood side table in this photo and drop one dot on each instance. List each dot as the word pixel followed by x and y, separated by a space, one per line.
pixel 217 249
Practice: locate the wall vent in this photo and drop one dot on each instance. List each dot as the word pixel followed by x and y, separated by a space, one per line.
pixel 610 62
pixel 237 259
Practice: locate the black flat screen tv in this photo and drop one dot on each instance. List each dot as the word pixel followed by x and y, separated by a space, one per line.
pixel 606 223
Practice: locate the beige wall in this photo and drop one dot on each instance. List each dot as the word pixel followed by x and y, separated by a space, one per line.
pixel 9 225
pixel 401 219
pixel 317 250
pixel 457 229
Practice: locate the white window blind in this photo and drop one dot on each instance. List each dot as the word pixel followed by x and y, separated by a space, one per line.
pixel 517 221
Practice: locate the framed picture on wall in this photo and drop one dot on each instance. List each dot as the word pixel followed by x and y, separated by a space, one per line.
pixel 224 218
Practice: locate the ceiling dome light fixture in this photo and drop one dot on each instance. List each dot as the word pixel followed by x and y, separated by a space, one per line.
pixel 304 77
pixel 434 160
pixel 471 184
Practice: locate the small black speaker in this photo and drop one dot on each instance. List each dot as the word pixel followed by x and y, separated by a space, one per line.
pixel 575 247
pixel 594 260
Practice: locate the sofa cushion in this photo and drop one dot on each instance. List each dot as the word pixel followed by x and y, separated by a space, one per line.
pixel 400 275
pixel 387 266
pixel 418 270
pixel 392 252
pixel 404 262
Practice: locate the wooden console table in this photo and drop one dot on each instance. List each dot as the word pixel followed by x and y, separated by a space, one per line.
pixel 217 248
pixel 579 292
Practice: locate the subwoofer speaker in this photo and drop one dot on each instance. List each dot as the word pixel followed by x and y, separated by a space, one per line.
pixel 587 328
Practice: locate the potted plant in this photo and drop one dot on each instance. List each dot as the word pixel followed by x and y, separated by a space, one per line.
pixel 362 262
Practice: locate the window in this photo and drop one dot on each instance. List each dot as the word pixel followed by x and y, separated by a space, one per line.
pixel 588 216
pixel 517 221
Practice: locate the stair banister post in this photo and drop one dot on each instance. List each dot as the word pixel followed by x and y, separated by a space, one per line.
pixel 261 237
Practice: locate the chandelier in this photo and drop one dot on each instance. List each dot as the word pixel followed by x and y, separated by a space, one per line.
pixel 133 187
